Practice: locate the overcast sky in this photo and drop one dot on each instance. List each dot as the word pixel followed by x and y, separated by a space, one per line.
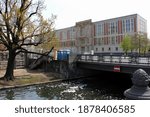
pixel 70 11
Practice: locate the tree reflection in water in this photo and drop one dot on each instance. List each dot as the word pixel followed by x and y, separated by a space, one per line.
pixel 10 94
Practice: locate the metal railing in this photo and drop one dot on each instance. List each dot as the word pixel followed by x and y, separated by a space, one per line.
pixel 114 59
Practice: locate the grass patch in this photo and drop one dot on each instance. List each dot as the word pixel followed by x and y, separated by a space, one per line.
pixel 24 80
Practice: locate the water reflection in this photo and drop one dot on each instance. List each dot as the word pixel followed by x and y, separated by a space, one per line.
pixel 60 91
pixel 89 89
pixel 10 94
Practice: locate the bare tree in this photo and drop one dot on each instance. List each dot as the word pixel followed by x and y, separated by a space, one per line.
pixel 22 25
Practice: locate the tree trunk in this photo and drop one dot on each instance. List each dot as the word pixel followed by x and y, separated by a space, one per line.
pixel 9 75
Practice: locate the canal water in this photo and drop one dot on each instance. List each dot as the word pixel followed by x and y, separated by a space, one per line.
pixel 102 87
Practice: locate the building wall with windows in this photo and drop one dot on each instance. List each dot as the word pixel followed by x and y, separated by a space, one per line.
pixel 84 36
pixel 101 36
pixel 67 38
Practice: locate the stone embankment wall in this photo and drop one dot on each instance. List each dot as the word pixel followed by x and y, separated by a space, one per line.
pixel 68 70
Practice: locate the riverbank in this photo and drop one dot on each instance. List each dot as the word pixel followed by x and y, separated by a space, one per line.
pixel 24 77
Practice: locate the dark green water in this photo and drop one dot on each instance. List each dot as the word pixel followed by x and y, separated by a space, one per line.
pixel 94 88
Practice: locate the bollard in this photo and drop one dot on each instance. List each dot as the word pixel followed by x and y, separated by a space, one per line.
pixel 140 89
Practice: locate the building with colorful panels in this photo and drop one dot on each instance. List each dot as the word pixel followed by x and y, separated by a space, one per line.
pixel 102 36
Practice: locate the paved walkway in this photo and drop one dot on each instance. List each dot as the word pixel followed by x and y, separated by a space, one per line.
pixel 17 72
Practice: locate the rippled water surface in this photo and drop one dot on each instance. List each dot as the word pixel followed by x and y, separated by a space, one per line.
pixel 95 88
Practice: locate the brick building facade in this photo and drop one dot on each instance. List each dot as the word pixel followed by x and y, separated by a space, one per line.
pixel 101 36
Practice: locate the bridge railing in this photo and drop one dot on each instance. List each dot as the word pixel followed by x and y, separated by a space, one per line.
pixel 114 59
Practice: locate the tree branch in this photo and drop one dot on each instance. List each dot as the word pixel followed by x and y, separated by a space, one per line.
pixel 33 13
pixel 30 44
pixel 26 51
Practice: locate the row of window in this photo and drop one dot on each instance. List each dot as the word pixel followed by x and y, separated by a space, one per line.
pixel 108 40
pixel 115 27
pixel 71 34
pixel 97 41
pixel 68 44
pixel 104 49
pixel 66 34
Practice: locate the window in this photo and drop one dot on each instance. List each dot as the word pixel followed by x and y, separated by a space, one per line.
pixel 81 31
pixel 142 26
pixel 123 26
pixel 100 41
pixel 116 26
pixel 109 49
pixel 132 25
pixel 96 49
pixel 116 48
pixel 88 41
pixel 102 29
pixel 64 44
pixel 82 49
pixel 117 40
pixel 109 28
pixel 72 33
pixel 99 29
pixel 72 43
pixel 112 28
pixel 64 35
pixel 112 40
pixel 88 48
pixel 82 41
pixel 109 40
pixel 128 25
pixel 103 49
pixel 95 41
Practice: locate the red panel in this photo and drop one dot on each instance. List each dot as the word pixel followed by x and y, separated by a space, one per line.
pixel 105 40
pixel 105 28
pixel 120 26
pixel 116 68
pixel 135 22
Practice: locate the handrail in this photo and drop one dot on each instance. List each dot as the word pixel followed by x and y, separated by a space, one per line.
pixel 114 59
